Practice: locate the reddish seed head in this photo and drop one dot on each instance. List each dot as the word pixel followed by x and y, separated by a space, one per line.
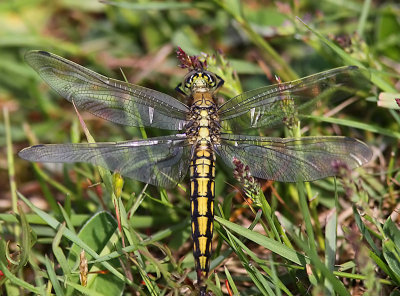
pixel 341 168
pixel 190 62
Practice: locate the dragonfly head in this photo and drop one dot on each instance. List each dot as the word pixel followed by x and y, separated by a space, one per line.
pixel 200 81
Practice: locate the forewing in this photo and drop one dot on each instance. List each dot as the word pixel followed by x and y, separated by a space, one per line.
pixel 161 161
pixel 280 103
pixel 291 159
pixel 111 99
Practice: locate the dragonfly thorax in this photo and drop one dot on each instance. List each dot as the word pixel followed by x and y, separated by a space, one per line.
pixel 203 122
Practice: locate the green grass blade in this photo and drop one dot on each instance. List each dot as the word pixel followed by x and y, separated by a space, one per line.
pixel 363 19
pixel 330 244
pixel 57 250
pixel 10 162
pixel 317 265
pixel 364 230
pixel 375 78
pixel 10 276
pixel 266 242
pixel 53 223
pixel 53 277
pixel 356 124
pixel 157 5
pixel 230 281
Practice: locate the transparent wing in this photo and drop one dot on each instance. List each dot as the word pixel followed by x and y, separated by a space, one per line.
pixel 291 159
pixel 161 161
pixel 111 99
pixel 275 104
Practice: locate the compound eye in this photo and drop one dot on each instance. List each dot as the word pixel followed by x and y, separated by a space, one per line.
pixel 189 81
pixel 211 80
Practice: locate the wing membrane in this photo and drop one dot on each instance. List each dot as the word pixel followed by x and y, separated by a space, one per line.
pixel 275 104
pixel 111 99
pixel 161 161
pixel 293 159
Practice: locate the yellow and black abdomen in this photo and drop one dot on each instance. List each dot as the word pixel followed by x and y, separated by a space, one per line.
pixel 202 175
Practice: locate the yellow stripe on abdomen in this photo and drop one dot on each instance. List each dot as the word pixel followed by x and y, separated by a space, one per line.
pixel 202 175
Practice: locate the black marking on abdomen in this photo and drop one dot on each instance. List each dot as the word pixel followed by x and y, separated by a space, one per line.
pixel 202 175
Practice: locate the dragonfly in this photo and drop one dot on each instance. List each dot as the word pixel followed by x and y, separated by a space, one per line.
pixel 205 130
